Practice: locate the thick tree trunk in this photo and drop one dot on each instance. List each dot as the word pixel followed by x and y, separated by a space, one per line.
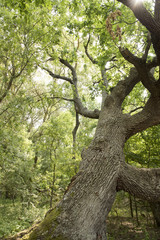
pixel 82 213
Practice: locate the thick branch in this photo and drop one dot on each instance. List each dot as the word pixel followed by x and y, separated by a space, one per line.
pixel 157 10
pixel 130 57
pixel 142 14
pixel 67 64
pixel 84 111
pixel 123 88
pixel 140 182
pixel 145 76
pixel 148 117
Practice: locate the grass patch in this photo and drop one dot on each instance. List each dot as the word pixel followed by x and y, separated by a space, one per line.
pixel 15 217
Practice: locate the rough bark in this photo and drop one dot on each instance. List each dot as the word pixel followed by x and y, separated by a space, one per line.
pixel 141 182
pixel 157 10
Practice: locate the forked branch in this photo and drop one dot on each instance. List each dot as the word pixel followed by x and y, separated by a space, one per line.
pixel 78 103
pixel 80 109
pixel 143 69
pixel 148 117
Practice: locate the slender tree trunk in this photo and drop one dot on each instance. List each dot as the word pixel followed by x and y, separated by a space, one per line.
pixel 131 205
pixel 52 186
pixel 136 210
pixel 155 207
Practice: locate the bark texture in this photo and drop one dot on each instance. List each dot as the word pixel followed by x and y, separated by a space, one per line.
pixel 141 182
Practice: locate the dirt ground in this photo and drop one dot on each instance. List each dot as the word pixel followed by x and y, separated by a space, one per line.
pixel 123 228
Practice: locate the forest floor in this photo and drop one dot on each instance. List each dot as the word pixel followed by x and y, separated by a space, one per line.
pixel 123 228
pixel 15 217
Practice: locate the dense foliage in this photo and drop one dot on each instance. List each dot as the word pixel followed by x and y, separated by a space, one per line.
pixel 40 41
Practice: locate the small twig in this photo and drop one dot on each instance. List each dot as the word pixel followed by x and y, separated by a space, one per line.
pixel 58 76
pixel 135 109
pixel 63 98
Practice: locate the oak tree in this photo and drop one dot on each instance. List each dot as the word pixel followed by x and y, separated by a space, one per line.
pixel 82 213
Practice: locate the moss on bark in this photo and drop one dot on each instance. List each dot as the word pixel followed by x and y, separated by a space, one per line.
pixel 45 229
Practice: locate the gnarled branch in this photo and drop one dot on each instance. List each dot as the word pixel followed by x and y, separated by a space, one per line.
pixel 76 99
pixel 78 103
pixel 149 116
pixel 124 87
pixel 145 76
pixel 73 70
pixel 140 182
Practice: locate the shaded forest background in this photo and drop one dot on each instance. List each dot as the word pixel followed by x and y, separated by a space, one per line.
pixel 39 153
